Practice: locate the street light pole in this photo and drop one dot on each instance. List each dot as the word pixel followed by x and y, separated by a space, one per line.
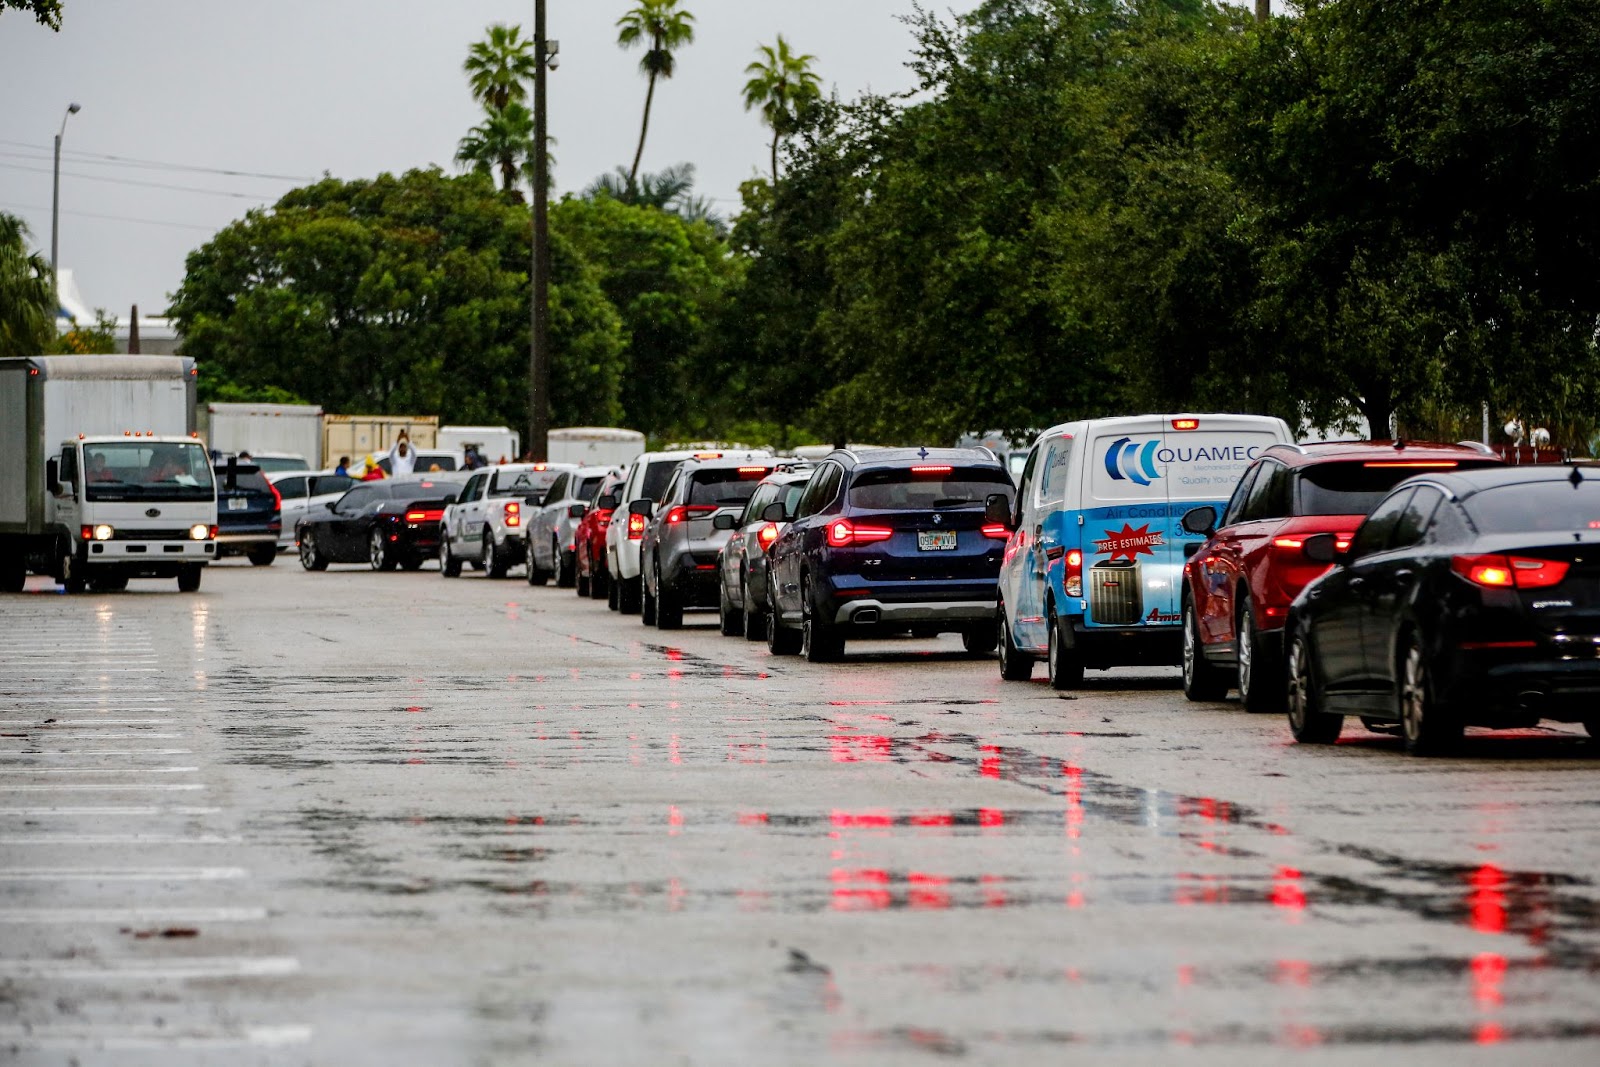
pixel 55 203
pixel 539 343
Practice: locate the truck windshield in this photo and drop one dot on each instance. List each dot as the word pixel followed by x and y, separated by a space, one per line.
pixel 146 470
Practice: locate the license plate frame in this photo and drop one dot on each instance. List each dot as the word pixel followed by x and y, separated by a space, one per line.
pixel 238 503
pixel 936 540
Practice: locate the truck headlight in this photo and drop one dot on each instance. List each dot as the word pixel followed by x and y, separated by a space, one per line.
pixel 199 532
pixel 103 532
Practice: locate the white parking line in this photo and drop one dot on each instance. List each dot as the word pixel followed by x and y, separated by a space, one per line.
pixel 43 916
pixel 152 788
pixel 189 967
pixel 102 770
pixel 131 874
pixel 129 1039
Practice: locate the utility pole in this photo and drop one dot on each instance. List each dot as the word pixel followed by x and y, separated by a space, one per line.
pixel 539 348
pixel 1263 10
pixel 55 210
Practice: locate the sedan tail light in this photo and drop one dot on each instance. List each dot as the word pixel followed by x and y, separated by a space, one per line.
pixel 767 536
pixel 1508 572
pixel 843 532
pixel 424 516
pixel 684 512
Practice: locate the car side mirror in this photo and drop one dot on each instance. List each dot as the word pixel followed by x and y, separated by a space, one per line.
pixel 332 505
pixel 52 475
pixel 642 507
pixel 577 511
pixel 449 498
pixel 725 521
pixel 1202 521
pixel 607 503
pixel 998 509
pixel 1322 548
pixel 774 512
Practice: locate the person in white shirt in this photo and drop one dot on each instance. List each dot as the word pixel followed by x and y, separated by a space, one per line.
pixel 402 457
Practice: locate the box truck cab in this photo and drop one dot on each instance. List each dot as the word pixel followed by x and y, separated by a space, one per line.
pixel 102 478
pixel 1093 568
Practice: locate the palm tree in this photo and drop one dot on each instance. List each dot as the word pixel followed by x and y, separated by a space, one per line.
pixel 504 140
pixel 781 85
pixel 670 190
pixel 27 297
pixel 500 67
pixel 665 27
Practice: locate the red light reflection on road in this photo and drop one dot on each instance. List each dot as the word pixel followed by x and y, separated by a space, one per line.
pixel 1488 974
pixel 989 765
pixel 879 819
pixel 990 818
pixel 1486 902
pixel 860 890
pixel 928 890
pixel 674 821
pixel 753 818
pixel 1287 893
pixel 860 748
pixel 994 891
pixel 1489 1034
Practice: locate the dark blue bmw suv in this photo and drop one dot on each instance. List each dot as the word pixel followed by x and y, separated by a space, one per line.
pixel 890 538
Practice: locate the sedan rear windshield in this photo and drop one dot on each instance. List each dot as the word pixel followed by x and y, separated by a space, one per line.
pixel 903 489
pixel 1538 507
pixel 1352 488
pixel 727 487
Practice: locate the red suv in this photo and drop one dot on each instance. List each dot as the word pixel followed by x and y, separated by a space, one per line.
pixel 1239 582
pixel 589 540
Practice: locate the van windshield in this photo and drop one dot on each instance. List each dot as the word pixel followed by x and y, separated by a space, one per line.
pixel 147 470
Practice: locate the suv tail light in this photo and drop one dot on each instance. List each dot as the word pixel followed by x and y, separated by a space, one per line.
pixel 277 497
pixel 685 512
pixel 1074 576
pixel 513 513
pixel 767 536
pixel 635 527
pixel 1510 572
pixel 997 531
pixel 843 533
pixel 1295 544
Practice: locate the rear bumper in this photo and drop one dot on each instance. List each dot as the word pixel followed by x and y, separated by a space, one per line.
pixel 867 611
pixel 696 585
pixel 1128 646
pixel 1485 686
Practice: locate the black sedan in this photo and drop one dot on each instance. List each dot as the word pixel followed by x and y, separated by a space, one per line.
pixel 387 524
pixel 1465 599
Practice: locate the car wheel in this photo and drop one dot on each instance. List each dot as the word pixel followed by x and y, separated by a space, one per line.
pixel 1065 664
pixel 311 558
pixel 614 596
pixel 449 565
pixel 71 578
pixel 599 583
pixel 669 605
pixel 1303 695
pixel 1015 664
pixel 263 556
pixel 189 578
pixel 1260 679
pixel 566 567
pixel 755 619
pixel 378 554
pixel 647 600
pixel 781 641
pixel 730 619
pixel 537 575
pixel 980 640
pixel 1202 679
pixel 1428 730
pixel 820 642
pixel 581 583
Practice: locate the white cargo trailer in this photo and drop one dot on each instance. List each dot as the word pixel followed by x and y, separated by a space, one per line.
pixel 102 476
pixel 295 429
pixel 495 444
pixel 595 446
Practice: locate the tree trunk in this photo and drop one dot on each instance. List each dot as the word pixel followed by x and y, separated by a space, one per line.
pixel 1378 406
pixel 774 157
pixel 633 175
pixel 1263 10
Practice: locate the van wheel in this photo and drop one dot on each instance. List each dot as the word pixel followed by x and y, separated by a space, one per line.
pixel 1015 665
pixel 71 572
pixel 1203 681
pixel 1260 678
pixel 1066 664
pixel 189 578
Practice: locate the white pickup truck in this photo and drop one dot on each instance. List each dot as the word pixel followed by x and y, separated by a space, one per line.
pixel 487 525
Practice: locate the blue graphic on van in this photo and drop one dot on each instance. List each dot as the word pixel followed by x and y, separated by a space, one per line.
pixel 1129 461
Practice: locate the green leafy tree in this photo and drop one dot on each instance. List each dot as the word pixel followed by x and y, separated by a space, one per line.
pixel 48 12
pixel 500 67
pixel 88 340
pixel 662 28
pixel 503 142
pixel 27 296
pixel 781 85
pixel 397 294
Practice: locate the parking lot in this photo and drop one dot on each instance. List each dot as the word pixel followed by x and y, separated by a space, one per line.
pixel 360 818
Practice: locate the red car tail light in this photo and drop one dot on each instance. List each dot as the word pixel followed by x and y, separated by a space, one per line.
pixel 685 512
pixel 767 536
pixel 277 497
pixel 424 516
pixel 1074 576
pixel 513 513
pixel 636 524
pixel 997 531
pixel 843 533
pixel 754 472
pixel 1185 424
pixel 935 469
pixel 1510 572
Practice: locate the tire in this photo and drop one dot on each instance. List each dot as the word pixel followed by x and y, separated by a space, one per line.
pixel 647 602
pixel 755 619
pixel 263 556
pixel 1203 681
pixel 599 583
pixel 1428 729
pixel 495 563
pixel 980 640
pixel 1015 664
pixel 1260 679
pixel 669 605
pixel 566 568
pixel 730 620
pixel 614 596
pixel 537 575
pixel 449 565
pixel 72 580
pixel 412 563
pixel 379 558
pixel 13 575
pixel 1592 726
pixel 820 642
pixel 311 558
pixel 1304 699
pixel 112 584
pixel 189 578
pixel 781 641
pixel 1066 664
pixel 581 583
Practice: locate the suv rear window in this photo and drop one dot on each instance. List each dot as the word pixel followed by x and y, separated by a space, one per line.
pixel 902 489
pixel 254 481
pixel 725 488
pixel 1351 488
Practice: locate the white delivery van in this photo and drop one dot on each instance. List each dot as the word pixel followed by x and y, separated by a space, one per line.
pixel 102 477
pixel 495 444
pixel 1093 569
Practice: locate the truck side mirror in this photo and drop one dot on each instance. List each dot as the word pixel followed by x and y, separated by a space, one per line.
pixel 52 476
pixel 998 509
pixel 577 511
pixel 726 520
pixel 642 507
pixel 774 512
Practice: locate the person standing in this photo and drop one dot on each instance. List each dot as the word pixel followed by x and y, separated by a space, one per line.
pixel 343 469
pixel 402 457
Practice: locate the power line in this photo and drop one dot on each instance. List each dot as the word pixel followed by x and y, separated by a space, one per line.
pixel 129 161
pixel 115 218
pixel 258 197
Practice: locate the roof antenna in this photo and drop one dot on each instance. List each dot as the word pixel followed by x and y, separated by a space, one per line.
pixel 1576 477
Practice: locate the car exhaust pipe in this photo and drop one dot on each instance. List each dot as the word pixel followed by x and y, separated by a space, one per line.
pixel 866 617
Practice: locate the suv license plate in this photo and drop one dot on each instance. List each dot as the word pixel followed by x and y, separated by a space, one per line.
pixel 936 540
pixel 238 503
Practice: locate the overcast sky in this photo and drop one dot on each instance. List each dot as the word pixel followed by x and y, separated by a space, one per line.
pixel 357 87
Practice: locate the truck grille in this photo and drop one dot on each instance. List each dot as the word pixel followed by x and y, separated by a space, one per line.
pixel 1116 595
pixel 151 535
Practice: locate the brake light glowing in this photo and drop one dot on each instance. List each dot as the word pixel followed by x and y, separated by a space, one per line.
pixel 767 536
pixel 1185 424
pixel 708 455
pixel 635 527
pixel 754 470
pixel 935 469
pixel 540 467
pixel 685 512
pixel 424 516
pixel 1074 576
pixel 277 497
pixel 513 513
pixel 1508 572
pixel 997 531
pixel 843 533
pixel 1288 542
pixel 1414 464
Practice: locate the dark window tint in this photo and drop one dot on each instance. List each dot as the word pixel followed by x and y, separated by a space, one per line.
pixel 1234 512
pixel 764 495
pixel 724 488
pixel 905 490
pixel 291 487
pixel 1350 488
pixel 558 489
pixel 1540 507
pixel 361 496
pixel 1375 532
pixel 656 477
pixel 252 481
pixel 1413 521
pixel 1270 493
pixel 1449 526
pixel 587 486
pixel 330 483
pixel 821 489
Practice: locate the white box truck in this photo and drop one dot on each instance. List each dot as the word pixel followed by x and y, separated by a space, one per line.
pixel 595 446
pixel 496 444
pixel 102 476
pixel 266 430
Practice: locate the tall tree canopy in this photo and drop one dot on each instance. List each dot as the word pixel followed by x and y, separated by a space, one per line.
pixel 662 28
pixel 781 85
pixel 27 294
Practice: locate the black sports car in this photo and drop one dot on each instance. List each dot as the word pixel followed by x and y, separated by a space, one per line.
pixel 1465 599
pixel 383 524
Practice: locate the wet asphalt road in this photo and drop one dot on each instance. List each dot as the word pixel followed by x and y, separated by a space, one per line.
pixel 387 819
